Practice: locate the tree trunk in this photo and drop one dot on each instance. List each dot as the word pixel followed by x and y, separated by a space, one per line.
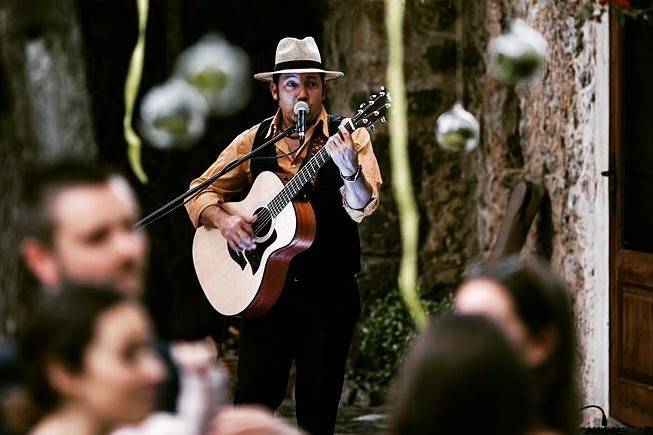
pixel 44 115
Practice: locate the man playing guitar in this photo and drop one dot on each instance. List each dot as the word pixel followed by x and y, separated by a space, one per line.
pixel 312 322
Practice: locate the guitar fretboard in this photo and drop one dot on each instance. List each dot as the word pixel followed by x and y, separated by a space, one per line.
pixel 300 179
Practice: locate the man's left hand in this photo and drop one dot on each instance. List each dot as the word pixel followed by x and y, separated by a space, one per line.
pixel 341 149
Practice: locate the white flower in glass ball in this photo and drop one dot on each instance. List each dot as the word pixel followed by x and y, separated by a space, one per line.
pixel 219 71
pixel 518 56
pixel 173 115
pixel 457 130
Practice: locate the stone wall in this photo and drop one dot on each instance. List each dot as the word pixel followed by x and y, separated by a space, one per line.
pixel 356 43
pixel 44 115
pixel 553 133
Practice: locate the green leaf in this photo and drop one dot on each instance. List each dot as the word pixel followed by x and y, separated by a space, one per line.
pixel 586 12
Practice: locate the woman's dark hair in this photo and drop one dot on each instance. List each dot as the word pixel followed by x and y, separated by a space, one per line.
pixel 60 330
pixel 462 376
pixel 542 302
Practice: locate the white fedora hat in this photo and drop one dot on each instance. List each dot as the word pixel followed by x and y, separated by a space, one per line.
pixel 297 56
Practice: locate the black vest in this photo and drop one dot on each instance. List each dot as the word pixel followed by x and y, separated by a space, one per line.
pixel 336 248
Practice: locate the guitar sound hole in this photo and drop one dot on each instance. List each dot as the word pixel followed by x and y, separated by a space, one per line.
pixel 263 222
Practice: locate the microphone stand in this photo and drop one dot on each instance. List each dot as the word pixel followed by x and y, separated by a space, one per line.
pixel 192 193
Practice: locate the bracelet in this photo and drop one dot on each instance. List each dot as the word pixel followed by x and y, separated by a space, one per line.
pixel 352 177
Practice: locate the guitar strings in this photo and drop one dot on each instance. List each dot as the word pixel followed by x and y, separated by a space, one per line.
pixel 258 225
pixel 292 184
pixel 268 216
pixel 296 183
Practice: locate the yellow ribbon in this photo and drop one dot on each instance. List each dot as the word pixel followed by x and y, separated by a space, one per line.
pixel 132 83
pixel 401 174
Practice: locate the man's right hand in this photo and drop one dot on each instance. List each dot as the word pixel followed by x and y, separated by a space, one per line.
pixel 236 229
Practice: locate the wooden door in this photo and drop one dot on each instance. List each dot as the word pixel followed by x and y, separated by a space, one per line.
pixel 631 222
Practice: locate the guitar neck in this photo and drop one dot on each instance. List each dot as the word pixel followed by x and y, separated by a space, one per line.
pixel 305 174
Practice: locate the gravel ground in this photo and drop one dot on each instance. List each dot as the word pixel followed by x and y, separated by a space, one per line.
pixel 351 419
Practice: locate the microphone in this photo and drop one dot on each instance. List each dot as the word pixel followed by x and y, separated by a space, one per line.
pixel 301 111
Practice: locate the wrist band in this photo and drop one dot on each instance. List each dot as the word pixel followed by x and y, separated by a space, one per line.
pixel 352 177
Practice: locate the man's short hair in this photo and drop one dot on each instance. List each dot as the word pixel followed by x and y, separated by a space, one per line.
pixel 43 182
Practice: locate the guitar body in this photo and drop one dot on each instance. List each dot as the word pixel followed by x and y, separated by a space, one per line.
pixel 248 283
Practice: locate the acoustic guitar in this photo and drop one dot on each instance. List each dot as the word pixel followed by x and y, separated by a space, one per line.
pixel 248 283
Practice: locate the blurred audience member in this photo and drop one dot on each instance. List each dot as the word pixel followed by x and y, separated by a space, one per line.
pixel 462 376
pixel 89 363
pixel 203 390
pixel 77 224
pixel 250 420
pixel 533 307
pixel 77 221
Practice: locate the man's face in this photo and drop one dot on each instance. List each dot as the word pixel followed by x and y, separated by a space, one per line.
pixel 307 87
pixel 94 240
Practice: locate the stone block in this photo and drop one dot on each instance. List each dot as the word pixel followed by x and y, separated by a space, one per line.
pixel 442 57
pixel 424 102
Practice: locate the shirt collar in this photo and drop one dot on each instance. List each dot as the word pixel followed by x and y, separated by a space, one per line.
pixel 276 122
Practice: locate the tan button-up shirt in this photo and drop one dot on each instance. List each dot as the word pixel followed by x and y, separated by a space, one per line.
pixel 240 178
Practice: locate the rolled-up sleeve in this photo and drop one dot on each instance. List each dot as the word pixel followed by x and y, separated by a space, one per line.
pixel 227 186
pixel 371 172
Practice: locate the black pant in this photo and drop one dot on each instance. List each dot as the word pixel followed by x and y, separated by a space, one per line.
pixel 312 325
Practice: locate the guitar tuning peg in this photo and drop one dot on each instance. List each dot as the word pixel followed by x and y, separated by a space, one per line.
pixel 365 121
pixel 387 105
pixel 361 106
pixel 376 113
pixel 373 96
pixel 358 112
pixel 383 120
pixel 382 88
pixel 372 127
pixel 382 94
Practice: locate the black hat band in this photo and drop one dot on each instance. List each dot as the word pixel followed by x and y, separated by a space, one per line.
pixel 298 64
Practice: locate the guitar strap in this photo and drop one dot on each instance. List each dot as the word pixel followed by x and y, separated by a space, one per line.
pixel 334 123
pixel 318 141
pixel 267 161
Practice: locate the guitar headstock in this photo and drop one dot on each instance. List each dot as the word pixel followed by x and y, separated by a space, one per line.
pixel 372 111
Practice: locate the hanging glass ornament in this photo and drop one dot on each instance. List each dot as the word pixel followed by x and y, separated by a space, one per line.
pixel 457 130
pixel 518 56
pixel 219 71
pixel 173 115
